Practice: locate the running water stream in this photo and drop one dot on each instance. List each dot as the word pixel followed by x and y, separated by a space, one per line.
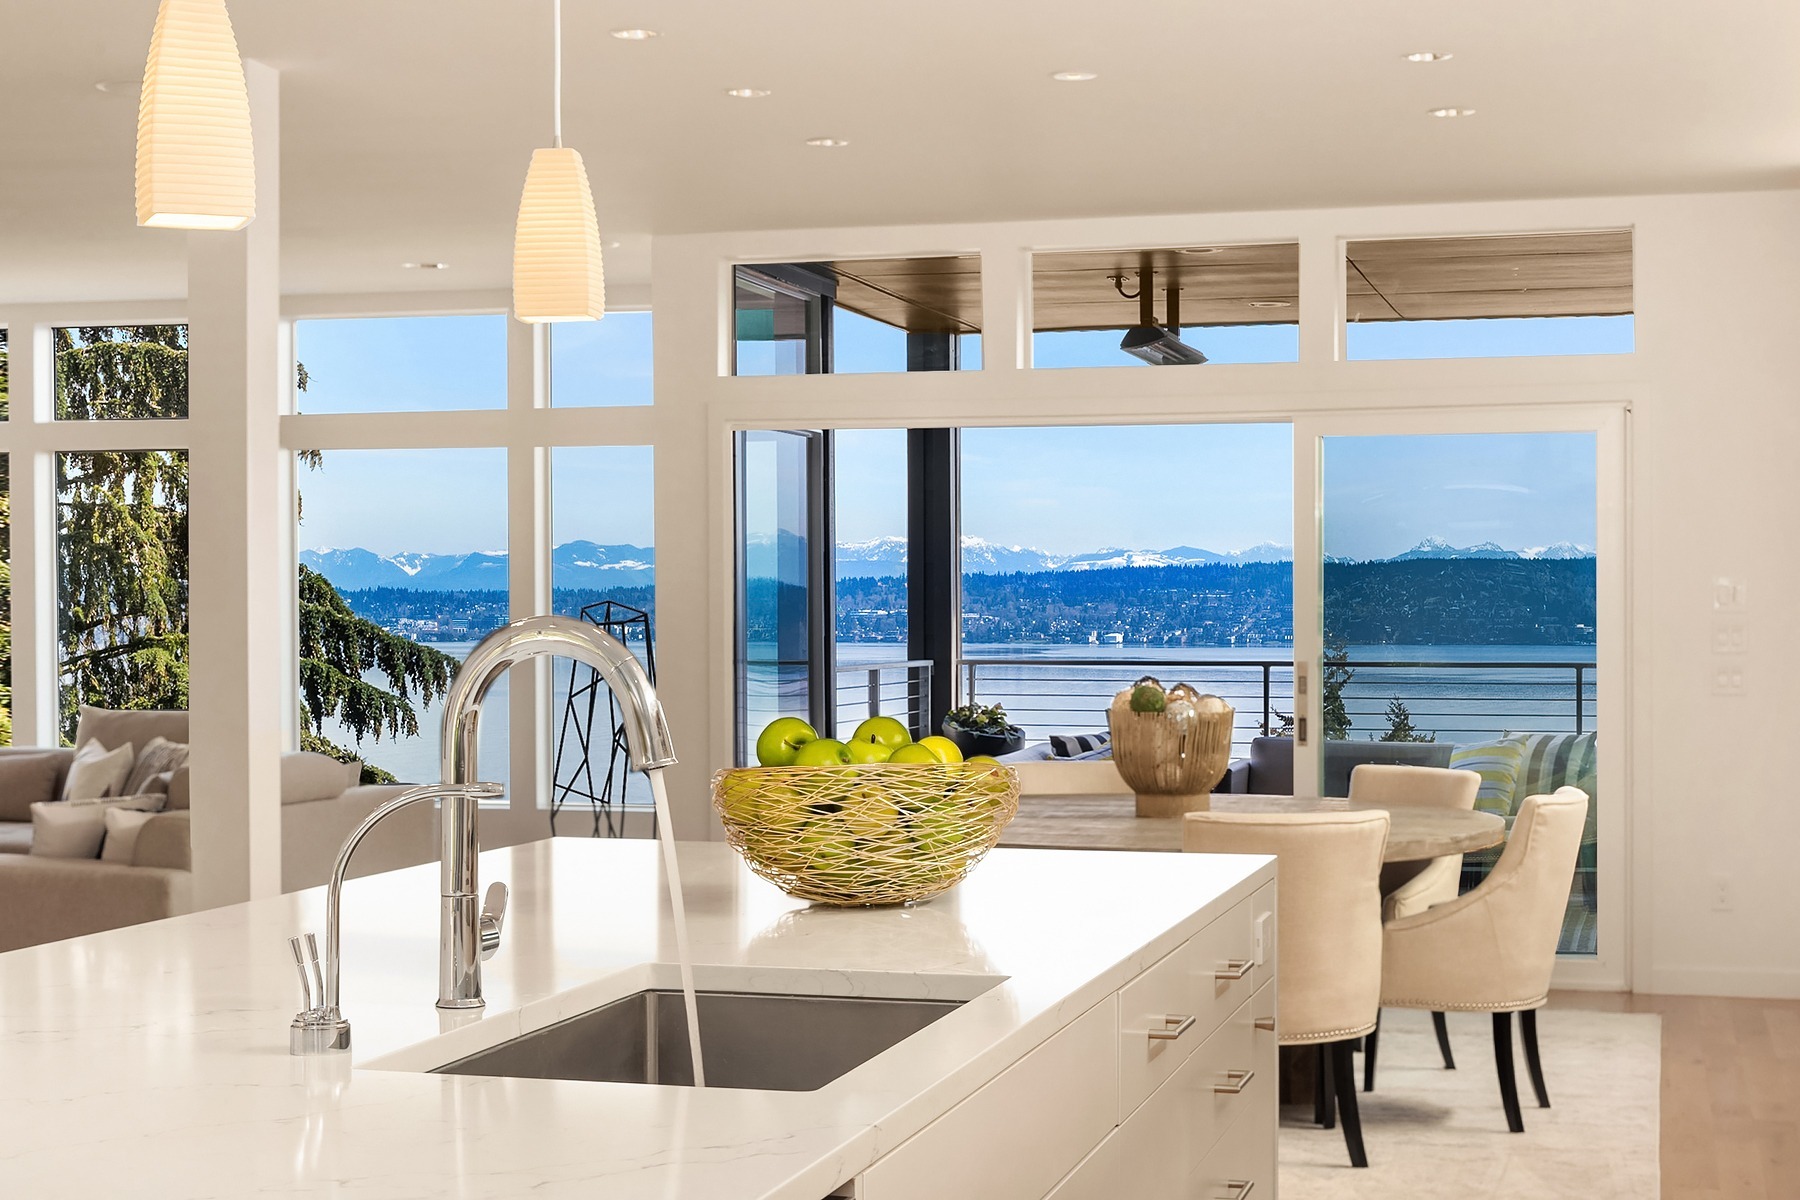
pixel 665 833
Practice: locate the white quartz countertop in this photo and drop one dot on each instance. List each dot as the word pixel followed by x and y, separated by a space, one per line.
pixel 153 1061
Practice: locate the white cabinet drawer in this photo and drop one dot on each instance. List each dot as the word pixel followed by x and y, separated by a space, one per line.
pixel 1160 1152
pixel 1019 1134
pixel 1177 1004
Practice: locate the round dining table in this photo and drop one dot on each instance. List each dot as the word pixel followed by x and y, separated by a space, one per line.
pixel 1110 822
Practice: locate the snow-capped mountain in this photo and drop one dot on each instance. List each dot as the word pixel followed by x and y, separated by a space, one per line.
pixel 573 564
pixel 1436 547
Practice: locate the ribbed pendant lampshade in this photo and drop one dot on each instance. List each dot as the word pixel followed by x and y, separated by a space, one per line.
pixel 195 165
pixel 557 272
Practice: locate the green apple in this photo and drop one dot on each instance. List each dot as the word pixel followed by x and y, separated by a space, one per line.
pixel 986 760
pixel 822 752
pixel 882 731
pixel 870 752
pixel 916 752
pixel 781 740
pixel 942 748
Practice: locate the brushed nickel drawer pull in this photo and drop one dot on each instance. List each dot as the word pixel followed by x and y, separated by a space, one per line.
pixel 1240 1188
pixel 1266 1024
pixel 1235 968
pixel 1235 1082
pixel 1173 1027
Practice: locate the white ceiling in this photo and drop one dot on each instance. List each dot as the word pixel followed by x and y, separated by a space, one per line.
pixel 406 124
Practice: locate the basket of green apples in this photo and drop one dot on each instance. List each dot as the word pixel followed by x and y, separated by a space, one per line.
pixel 874 819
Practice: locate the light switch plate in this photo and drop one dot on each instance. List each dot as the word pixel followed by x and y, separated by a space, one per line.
pixel 1262 937
pixel 1729 595
pixel 1730 637
pixel 1728 680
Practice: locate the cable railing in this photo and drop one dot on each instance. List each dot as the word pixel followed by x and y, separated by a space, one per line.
pixel 1445 700
pixel 899 688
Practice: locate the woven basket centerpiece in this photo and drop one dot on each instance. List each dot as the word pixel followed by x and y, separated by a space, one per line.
pixel 883 833
pixel 1170 747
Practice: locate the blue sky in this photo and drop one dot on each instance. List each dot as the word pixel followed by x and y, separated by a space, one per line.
pixel 1062 490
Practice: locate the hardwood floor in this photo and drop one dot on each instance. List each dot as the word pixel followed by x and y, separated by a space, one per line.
pixel 1730 1093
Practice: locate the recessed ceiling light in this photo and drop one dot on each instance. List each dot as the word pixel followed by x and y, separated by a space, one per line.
pixel 1198 250
pixel 1074 76
pixel 1271 303
pixel 1451 113
pixel 119 87
pixel 747 93
pixel 1427 56
pixel 634 35
pixel 426 266
pixel 828 143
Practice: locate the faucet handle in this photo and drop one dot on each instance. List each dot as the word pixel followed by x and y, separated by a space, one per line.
pixel 493 916
pixel 298 946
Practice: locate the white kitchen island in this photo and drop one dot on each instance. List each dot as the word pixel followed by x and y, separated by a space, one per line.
pixel 153 1061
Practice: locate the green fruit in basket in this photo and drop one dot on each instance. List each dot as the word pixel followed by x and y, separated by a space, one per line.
pixel 782 739
pixel 918 752
pixel 822 752
pixel 870 752
pixel 1148 698
pixel 882 731
pixel 826 844
pixel 945 749
pixel 985 760
pixel 870 815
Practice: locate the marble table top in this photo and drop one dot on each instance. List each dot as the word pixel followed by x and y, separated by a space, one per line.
pixel 1109 822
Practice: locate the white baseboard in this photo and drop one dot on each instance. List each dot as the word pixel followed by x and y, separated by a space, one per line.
pixel 1776 984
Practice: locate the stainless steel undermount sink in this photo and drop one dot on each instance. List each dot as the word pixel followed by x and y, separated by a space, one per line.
pixel 766 1041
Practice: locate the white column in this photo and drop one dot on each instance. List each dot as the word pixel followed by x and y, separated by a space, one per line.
pixel 238 491
pixel 34 611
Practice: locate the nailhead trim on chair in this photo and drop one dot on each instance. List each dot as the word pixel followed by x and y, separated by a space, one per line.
pixel 1336 1035
pixel 1440 1006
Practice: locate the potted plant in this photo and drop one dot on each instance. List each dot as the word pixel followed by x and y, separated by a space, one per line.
pixel 983 729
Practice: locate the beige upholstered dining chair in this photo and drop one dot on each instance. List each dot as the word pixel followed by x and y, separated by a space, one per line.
pixel 1405 889
pixel 1492 949
pixel 1327 933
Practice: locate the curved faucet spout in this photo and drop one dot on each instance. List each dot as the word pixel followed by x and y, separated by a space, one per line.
pixel 646 737
pixel 646 728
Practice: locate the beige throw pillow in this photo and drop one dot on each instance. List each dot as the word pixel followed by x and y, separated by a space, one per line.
pixel 25 780
pixel 122 827
pixel 98 772
pixel 158 757
pixel 76 828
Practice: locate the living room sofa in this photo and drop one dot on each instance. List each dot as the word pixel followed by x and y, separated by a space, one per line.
pixel 1269 771
pixel 45 899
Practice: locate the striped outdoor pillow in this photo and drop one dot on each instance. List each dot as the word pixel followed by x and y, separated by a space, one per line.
pixel 1077 745
pixel 1498 763
pixel 1553 760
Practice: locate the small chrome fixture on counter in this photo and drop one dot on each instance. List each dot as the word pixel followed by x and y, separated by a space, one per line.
pixel 467 933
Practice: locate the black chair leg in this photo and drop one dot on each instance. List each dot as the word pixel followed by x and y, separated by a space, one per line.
pixel 1503 1063
pixel 1528 1035
pixel 1345 1074
pixel 1443 1036
pixel 1369 1043
pixel 1325 1107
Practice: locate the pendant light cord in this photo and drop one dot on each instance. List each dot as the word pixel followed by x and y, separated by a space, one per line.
pixel 556 75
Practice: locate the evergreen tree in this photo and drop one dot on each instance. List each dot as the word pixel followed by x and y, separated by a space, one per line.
pixel 1400 726
pixel 1337 677
pixel 122 546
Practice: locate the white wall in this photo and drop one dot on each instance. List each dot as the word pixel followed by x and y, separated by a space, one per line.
pixel 1714 395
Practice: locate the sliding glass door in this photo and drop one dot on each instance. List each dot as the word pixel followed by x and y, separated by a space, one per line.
pixel 1461 607
pixel 784 652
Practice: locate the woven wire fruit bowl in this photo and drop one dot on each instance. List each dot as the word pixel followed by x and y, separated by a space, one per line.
pixel 874 834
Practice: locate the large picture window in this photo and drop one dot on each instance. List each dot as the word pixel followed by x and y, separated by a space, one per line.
pixel 400 364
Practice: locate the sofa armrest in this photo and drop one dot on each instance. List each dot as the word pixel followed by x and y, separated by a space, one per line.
pixel 48 899
pixel 1237 778
pixel 178 790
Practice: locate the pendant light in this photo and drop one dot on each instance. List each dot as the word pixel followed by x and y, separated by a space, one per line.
pixel 196 168
pixel 557 272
